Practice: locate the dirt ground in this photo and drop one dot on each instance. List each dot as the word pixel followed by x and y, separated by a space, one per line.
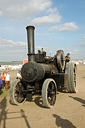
pixel 68 112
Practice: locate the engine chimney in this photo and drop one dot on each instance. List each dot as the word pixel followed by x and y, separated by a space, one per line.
pixel 30 38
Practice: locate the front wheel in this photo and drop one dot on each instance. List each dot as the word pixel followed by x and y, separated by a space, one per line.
pixel 17 96
pixel 49 89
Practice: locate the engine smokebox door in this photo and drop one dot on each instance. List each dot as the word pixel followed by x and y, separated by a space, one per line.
pixel 32 71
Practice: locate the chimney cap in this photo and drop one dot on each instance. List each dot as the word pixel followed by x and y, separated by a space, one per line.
pixel 30 27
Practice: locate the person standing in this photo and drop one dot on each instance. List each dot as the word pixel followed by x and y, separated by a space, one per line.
pixel 67 57
pixel 19 74
pixel 7 80
pixel 0 82
pixel 3 80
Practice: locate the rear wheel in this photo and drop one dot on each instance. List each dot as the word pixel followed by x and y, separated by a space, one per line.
pixel 49 89
pixel 71 70
pixel 17 96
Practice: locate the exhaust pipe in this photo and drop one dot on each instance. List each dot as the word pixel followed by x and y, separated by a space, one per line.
pixel 30 38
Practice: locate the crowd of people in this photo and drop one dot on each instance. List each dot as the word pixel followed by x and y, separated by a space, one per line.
pixel 4 80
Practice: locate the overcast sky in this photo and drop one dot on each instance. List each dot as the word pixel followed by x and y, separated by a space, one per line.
pixel 59 24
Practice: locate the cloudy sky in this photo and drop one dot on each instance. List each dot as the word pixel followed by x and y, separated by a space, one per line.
pixel 59 24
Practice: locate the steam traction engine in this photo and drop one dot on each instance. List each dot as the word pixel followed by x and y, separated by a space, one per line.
pixel 43 74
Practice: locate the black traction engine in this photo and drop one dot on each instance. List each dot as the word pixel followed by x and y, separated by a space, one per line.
pixel 43 75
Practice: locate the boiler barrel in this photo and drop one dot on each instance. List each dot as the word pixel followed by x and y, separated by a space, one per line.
pixel 32 71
